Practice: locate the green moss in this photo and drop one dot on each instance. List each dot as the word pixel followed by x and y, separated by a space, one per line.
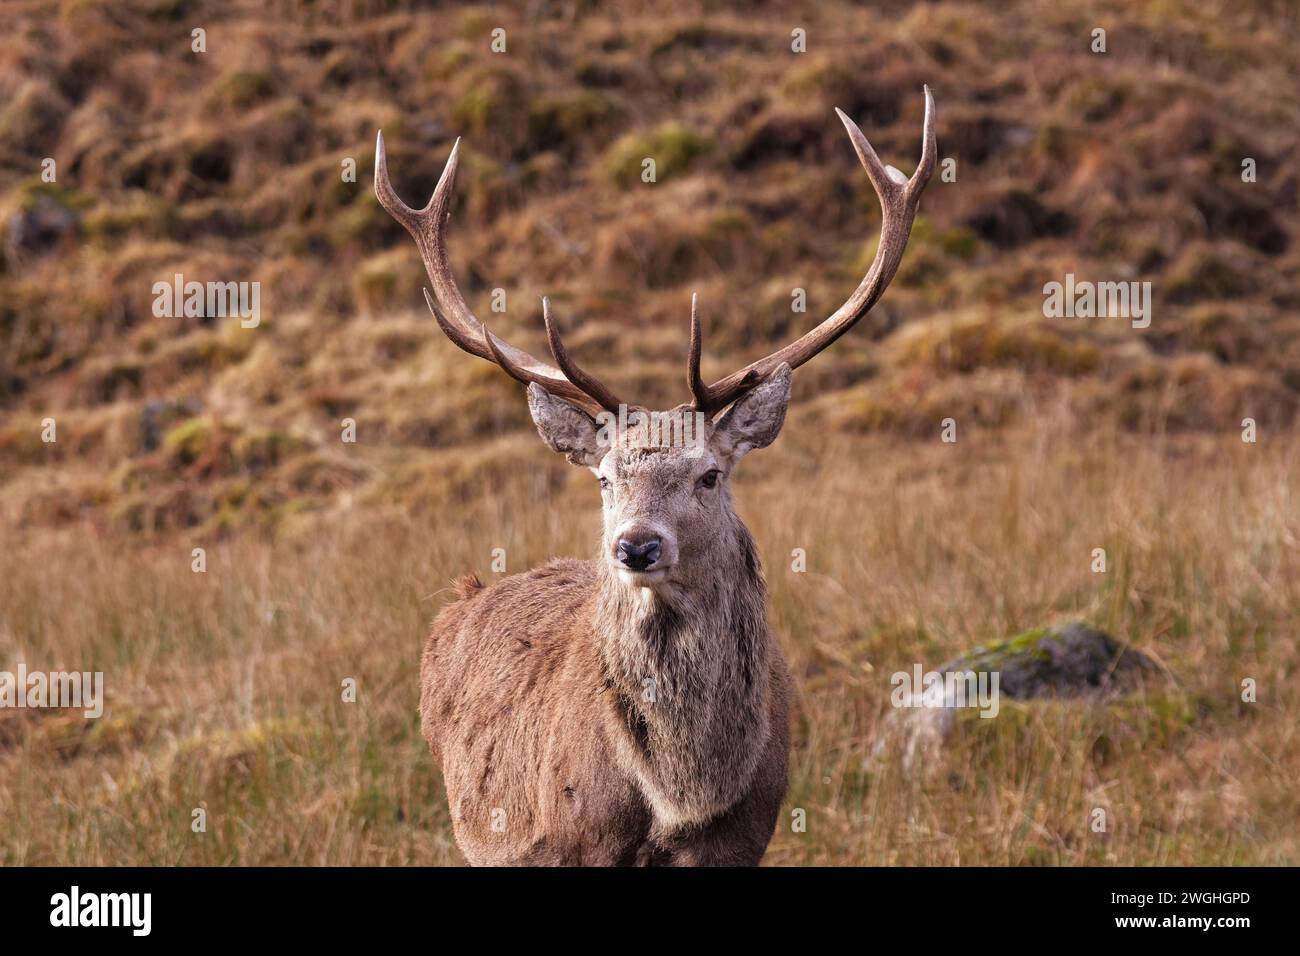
pixel 33 192
pixel 1028 639
pixel 185 443
pixel 473 110
pixel 453 59
pixel 493 98
pixel 961 243
pixel 673 148
pixel 992 653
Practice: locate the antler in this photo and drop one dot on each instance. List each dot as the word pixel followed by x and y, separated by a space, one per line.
pixel 454 317
pixel 899 197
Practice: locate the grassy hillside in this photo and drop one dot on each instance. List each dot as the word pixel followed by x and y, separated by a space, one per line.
pixel 327 559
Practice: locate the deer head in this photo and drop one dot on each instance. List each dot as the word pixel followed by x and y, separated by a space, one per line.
pixel 668 516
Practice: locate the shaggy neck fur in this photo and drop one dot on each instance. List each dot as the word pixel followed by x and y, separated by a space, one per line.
pixel 690 672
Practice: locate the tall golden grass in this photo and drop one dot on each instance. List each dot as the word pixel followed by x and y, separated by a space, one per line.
pixel 225 687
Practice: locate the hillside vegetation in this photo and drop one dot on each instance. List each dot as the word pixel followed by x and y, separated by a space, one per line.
pixel 227 166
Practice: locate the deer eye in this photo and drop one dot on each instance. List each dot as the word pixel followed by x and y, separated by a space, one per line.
pixel 604 483
pixel 710 478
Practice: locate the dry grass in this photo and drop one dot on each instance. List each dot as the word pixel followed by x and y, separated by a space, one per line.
pixel 224 688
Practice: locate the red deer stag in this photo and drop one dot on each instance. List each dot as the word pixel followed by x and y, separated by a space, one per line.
pixel 632 709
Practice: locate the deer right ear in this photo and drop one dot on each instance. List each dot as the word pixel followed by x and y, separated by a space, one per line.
pixel 565 427
pixel 755 419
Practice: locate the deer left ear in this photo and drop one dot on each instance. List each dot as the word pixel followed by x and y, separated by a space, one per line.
pixel 566 428
pixel 755 419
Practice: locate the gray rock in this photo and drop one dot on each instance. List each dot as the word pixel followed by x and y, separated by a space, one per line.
pixel 1064 661
pixel 1071 660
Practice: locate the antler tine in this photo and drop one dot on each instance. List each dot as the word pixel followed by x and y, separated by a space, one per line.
pixel 699 391
pixel 593 386
pixel 702 397
pixel 448 306
pixel 899 197
pixel 493 345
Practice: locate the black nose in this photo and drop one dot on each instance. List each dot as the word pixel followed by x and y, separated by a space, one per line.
pixel 638 555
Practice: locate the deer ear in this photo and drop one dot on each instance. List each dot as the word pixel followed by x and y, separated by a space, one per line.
pixel 756 418
pixel 565 427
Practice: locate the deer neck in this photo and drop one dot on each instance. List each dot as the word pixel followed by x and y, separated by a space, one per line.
pixel 689 669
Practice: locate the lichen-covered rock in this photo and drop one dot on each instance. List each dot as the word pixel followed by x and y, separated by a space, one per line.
pixel 1058 661
pixel 1065 661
